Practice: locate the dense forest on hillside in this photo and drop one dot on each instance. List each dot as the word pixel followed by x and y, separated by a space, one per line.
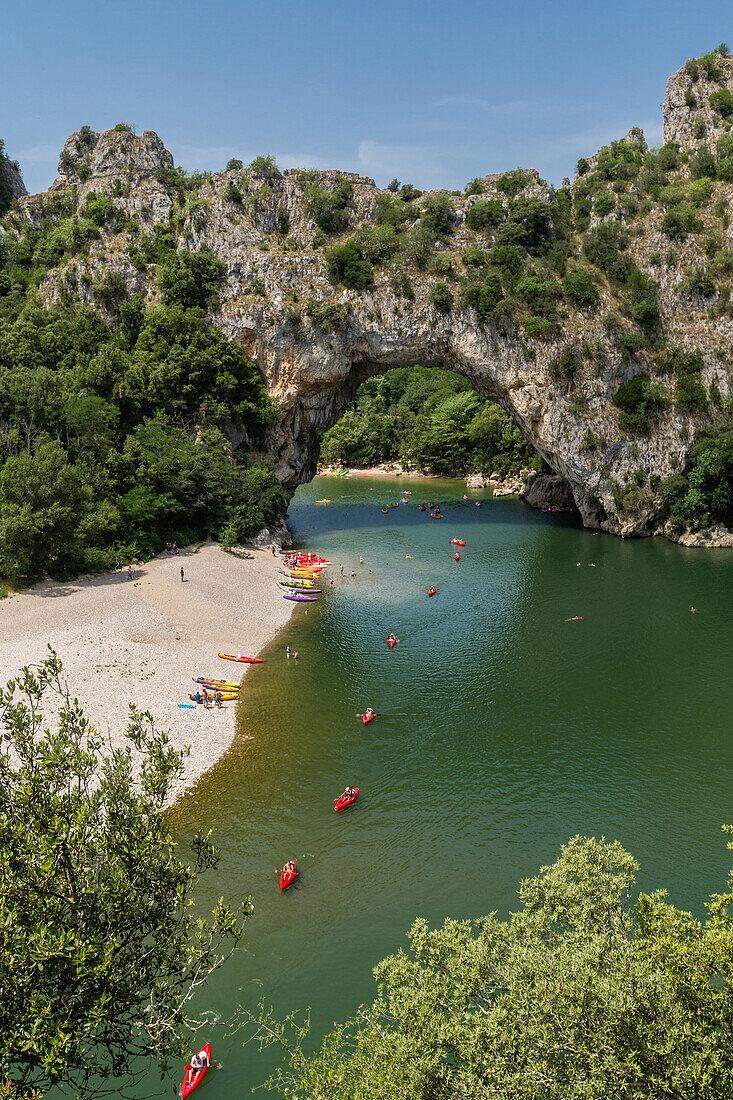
pixel 430 419
pixel 111 426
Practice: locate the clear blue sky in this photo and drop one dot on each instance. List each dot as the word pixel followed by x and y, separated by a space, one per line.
pixel 433 93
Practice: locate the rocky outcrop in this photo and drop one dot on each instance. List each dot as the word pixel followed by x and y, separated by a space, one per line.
pixel 549 491
pixel 11 173
pixel 688 116
pixel 316 343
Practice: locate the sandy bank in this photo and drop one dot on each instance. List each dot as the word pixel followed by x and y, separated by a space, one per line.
pixel 143 640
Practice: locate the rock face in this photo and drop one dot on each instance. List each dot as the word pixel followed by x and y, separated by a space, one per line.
pixel 549 491
pixel 315 343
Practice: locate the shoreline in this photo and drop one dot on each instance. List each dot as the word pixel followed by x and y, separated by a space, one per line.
pixel 142 641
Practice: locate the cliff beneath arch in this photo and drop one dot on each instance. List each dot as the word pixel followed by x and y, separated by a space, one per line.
pixel 597 315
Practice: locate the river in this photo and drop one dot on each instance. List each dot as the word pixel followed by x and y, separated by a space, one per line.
pixel 505 730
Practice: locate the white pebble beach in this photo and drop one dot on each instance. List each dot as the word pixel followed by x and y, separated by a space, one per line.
pixel 142 640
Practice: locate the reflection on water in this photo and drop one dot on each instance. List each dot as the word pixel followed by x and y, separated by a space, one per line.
pixel 505 729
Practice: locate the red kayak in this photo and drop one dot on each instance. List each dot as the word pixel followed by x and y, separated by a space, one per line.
pixel 194 1077
pixel 457 556
pixel 431 591
pixel 458 542
pixel 366 718
pixel 391 642
pixel 346 800
pixel 286 877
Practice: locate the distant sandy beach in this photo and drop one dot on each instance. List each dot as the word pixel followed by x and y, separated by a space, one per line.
pixel 143 640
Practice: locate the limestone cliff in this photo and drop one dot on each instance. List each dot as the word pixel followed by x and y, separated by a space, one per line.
pixel 315 342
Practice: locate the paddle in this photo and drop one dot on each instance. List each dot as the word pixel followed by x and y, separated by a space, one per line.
pixel 375 716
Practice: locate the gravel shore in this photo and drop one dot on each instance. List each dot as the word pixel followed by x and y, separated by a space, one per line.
pixel 142 640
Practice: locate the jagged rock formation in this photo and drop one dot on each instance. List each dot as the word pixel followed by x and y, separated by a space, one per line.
pixel 315 342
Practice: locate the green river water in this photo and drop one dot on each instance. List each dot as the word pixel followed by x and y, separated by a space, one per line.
pixel 505 731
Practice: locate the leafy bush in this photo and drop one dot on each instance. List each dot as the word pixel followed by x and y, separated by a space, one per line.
pixel 482 292
pixel 644 299
pixel 704 493
pixel 703 164
pixel 689 394
pixel 511 183
pixel 264 166
pixel 416 246
pixel 100 209
pixel 408 193
pixel 485 214
pixel 603 203
pixel 327 314
pixel 640 402
pixel 441 297
pixel 580 288
pixel 378 243
pixel 680 221
pixel 475 187
pixel 190 278
pixel 234 165
pixel 722 102
pixel 437 214
pixel 232 193
pixel 329 209
pixel 124 127
pixel 347 265
pixel 698 281
pixel 530 224
pixel 565 362
pixel 604 246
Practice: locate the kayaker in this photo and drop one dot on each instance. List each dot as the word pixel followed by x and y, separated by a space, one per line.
pixel 369 713
pixel 198 1062
pixel 288 867
pixel 348 793
pixel 218 698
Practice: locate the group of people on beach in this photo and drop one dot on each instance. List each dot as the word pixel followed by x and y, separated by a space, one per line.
pixel 171 548
pixel 209 699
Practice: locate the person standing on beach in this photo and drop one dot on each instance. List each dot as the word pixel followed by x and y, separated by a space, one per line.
pixel 130 572
pixel 181 574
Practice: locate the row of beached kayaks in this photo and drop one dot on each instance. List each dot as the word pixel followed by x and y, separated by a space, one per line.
pixel 301 572
pixel 224 690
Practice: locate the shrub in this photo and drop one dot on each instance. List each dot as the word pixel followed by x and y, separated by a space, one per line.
pixel 582 167
pixel 416 246
pixel 234 165
pixel 327 314
pixel 603 203
pixel 393 185
pixel 232 193
pixel 485 214
pixel 674 359
pixel 604 247
pixel 475 187
pixel 540 294
pixel 703 164
pixel 639 401
pixel 483 293
pixel 722 102
pixel 700 190
pixel 511 183
pixel 566 362
pixel 629 344
pixel 378 243
pixel 692 69
pixel 689 394
pixel 530 224
pixel 442 264
pixel 441 297
pixel 644 300
pixel 408 193
pixel 264 166
pixel 680 221
pixel 191 278
pixel 668 157
pixel 475 257
pixel 580 288
pixel 124 127
pixel 540 328
pixel 389 211
pixel 437 214
pixel 110 289
pixel 698 281
pixel 328 209
pixel 99 208
pixel 509 259
pixel 347 265
pixel 690 98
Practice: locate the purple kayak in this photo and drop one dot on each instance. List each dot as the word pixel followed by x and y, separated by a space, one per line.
pixel 296 597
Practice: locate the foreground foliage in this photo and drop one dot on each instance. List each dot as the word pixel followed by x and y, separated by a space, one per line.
pixel 101 951
pixel 583 994
pixel 429 418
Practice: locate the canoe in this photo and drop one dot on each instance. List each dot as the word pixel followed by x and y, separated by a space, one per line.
pixel 224 694
pixel 346 800
pixel 239 657
pixel 367 718
pixel 458 542
pixel 192 1079
pixel 222 685
pixel 299 597
pixel 286 877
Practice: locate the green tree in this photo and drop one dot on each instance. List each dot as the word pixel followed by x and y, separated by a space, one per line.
pixel 191 278
pixel 42 502
pixel 101 950
pixel 584 992
pixel 437 214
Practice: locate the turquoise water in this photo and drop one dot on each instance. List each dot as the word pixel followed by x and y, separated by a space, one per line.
pixel 505 730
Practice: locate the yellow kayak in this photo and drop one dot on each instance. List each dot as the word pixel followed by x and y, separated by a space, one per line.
pixel 224 694
pixel 324 502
